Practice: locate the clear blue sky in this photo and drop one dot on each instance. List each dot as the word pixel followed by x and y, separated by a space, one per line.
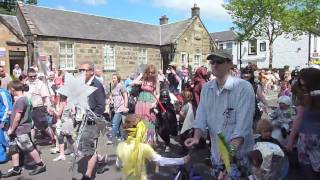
pixel 212 13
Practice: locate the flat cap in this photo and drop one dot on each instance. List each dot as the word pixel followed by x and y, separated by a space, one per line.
pixel 220 55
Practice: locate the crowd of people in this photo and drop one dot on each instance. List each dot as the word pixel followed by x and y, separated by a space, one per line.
pixel 219 104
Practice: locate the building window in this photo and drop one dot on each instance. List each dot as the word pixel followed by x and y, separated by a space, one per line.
pixel 184 59
pixel 252 47
pixel 229 45
pixel 263 47
pixel 142 56
pixel 66 56
pixel 221 46
pixel 196 60
pixel 109 58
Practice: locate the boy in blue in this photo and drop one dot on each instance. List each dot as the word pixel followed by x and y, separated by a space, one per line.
pixel 5 110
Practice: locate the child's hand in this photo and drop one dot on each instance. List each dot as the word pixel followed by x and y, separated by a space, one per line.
pixel 186 159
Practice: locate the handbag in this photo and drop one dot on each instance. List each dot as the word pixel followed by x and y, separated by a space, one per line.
pixel 135 90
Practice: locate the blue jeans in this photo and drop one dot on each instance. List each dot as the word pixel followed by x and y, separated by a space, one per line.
pixel 117 128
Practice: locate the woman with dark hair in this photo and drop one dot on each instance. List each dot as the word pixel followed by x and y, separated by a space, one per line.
pixel 306 94
pixel 146 100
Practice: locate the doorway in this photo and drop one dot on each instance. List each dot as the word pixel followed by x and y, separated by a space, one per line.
pixel 16 57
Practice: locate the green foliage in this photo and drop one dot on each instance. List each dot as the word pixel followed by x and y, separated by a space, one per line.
pixel 286 67
pixel 269 19
pixel 9 6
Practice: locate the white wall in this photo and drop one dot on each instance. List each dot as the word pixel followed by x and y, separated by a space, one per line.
pixel 315 47
pixel 235 46
pixel 285 52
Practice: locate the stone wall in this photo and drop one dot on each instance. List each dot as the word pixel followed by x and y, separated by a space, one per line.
pixel 7 36
pixel 126 55
pixel 195 40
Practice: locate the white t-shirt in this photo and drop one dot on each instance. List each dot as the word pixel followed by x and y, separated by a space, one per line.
pixel 189 117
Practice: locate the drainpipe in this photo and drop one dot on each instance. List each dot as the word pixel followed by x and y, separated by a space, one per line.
pixel 309 50
pixel 240 55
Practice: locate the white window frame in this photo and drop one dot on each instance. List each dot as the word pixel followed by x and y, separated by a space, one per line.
pixel 108 63
pixel 265 47
pixel 221 46
pixel 228 43
pixel 196 63
pixel 184 61
pixel 66 54
pixel 143 56
pixel 250 46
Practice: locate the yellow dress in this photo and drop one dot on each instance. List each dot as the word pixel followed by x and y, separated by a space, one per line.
pixel 133 153
pixel 123 152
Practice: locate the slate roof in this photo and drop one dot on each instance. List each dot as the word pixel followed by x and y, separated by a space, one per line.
pixel 224 36
pixel 61 23
pixel 170 32
pixel 13 22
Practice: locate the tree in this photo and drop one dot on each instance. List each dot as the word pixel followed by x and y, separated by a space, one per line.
pixel 32 2
pixel 270 19
pixel 9 6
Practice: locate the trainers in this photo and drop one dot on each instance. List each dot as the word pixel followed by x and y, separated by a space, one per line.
pixel 102 165
pixel 38 170
pixel 102 169
pixel 54 150
pixel 109 142
pixel 59 158
pixel 11 172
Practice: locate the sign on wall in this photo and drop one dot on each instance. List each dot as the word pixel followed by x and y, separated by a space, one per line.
pixel 2 52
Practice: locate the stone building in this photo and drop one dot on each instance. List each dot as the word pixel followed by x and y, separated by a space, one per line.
pixel 68 38
pixel 13 46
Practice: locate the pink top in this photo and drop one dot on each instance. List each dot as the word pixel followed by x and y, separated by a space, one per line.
pixel 146 86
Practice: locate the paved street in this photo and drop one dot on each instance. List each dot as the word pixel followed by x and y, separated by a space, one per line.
pixel 59 170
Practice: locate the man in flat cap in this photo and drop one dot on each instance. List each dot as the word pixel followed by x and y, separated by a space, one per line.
pixel 227 107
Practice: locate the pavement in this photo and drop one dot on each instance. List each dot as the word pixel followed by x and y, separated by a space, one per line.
pixel 60 170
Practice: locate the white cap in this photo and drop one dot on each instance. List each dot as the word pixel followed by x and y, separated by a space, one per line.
pixel 285 100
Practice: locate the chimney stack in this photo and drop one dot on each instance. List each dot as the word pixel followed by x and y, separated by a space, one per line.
pixel 195 11
pixel 163 20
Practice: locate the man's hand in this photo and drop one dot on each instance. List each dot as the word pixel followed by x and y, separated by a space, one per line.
pixel 125 110
pixel 236 142
pixel 191 141
pixel 173 71
pixel 9 132
pixel 186 159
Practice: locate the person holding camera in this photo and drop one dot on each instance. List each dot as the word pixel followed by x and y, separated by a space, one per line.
pixel 173 79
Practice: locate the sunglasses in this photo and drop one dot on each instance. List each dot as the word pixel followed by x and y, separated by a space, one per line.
pixel 34 76
pixel 82 70
pixel 217 61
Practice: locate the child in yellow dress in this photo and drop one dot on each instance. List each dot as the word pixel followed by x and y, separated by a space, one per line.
pixel 133 152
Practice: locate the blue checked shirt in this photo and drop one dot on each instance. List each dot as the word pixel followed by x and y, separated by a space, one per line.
pixel 228 110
